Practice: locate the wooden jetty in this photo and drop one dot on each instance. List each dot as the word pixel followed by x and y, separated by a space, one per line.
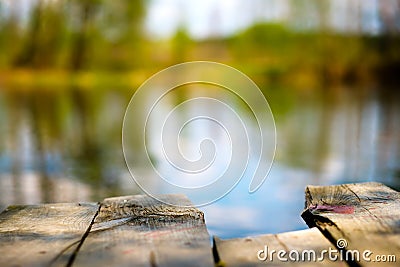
pixel 350 218
pixel 140 231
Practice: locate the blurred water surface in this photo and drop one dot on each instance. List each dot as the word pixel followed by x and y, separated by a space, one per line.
pixel 64 145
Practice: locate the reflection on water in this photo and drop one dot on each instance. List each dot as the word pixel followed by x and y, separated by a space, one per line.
pixel 202 145
pixel 65 145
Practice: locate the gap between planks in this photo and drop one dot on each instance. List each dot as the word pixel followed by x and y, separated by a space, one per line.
pixel 145 232
pixel 76 251
pixel 141 231
pixel 122 231
pixel 364 217
pixel 43 234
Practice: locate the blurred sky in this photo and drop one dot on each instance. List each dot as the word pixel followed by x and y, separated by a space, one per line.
pixel 204 18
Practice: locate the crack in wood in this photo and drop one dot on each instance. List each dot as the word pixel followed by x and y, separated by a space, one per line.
pixel 152 259
pixel 138 230
pixel 322 224
pixel 371 227
pixel 76 251
pixel 63 251
pixel 217 259
pixel 348 188
pixel 102 226
pixel 281 243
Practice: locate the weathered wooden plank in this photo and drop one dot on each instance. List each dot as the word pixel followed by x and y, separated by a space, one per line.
pixel 358 217
pixel 43 235
pixel 140 231
pixel 300 248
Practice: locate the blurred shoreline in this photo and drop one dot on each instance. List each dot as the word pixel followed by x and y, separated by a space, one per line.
pixel 288 58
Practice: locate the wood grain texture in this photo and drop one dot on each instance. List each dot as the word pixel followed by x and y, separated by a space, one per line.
pixel 140 231
pixel 241 252
pixel 43 235
pixel 366 215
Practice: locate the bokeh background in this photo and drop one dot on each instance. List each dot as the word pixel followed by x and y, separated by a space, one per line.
pixel 329 69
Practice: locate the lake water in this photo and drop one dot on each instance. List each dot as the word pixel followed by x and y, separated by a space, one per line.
pixel 64 145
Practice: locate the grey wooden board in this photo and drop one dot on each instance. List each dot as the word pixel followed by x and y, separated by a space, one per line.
pixel 240 252
pixel 366 215
pixel 43 235
pixel 139 231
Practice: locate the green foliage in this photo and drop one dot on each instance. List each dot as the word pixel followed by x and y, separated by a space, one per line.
pixel 109 36
pixel 43 38
pixel 181 43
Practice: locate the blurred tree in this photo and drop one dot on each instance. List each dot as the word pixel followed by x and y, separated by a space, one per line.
pixel 322 10
pixel 326 37
pixel 9 33
pixel 82 12
pixel 181 43
pixel 117 28
pixel 44 36
pixel 389 42
pixel 52 35
pixel 30 44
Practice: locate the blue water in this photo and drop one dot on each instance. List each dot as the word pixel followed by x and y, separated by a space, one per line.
pixel 65 145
